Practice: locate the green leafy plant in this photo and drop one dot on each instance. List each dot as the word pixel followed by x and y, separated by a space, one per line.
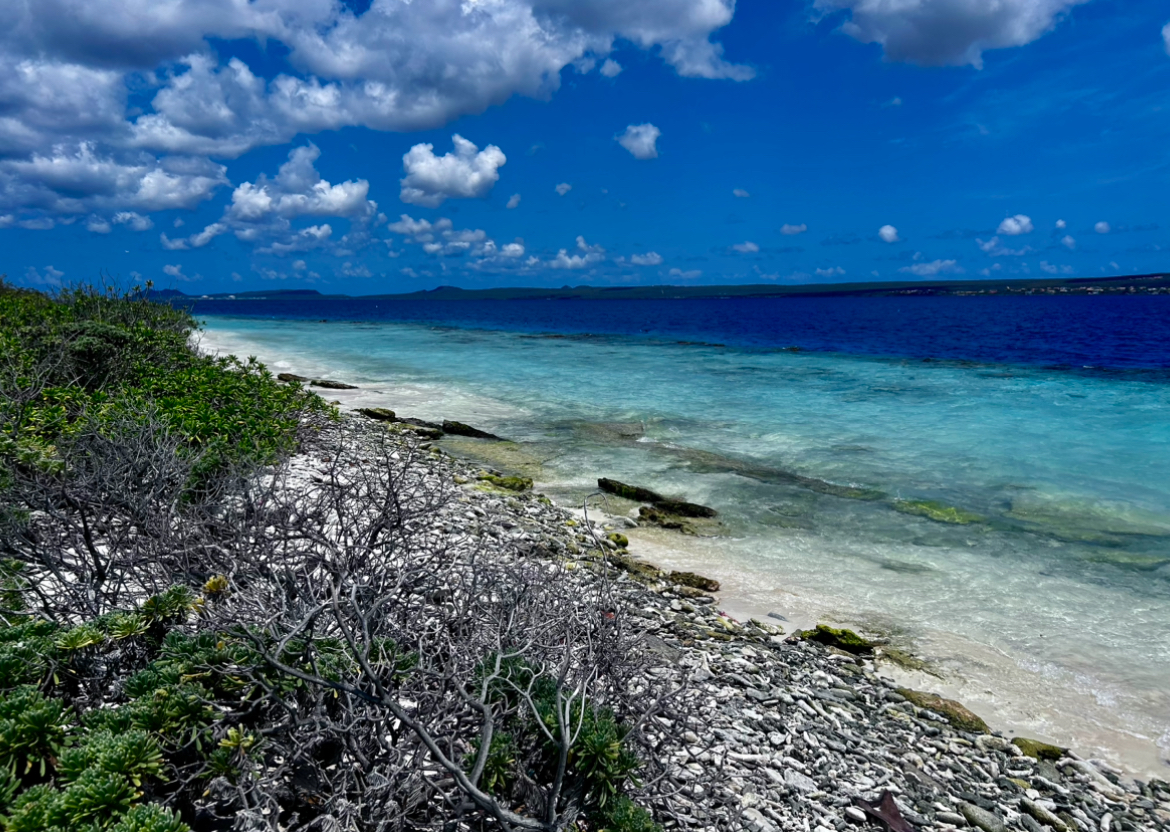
pixel 33 731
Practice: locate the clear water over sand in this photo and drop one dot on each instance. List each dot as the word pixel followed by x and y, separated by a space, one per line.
pixel 1048 613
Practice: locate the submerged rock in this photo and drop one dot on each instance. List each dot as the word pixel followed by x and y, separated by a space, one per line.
pixel 906 661
pixel 695 581
pixel 1038 750
pixel 460 429
pixel 955 713
pixel 938 512
pixel 650 514
pixel 630 492
pixel 1125 560
pixel 842 639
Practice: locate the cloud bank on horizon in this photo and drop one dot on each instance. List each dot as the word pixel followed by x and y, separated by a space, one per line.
pixel 272 133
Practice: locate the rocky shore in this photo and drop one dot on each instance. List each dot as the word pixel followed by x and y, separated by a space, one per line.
pixel 801 731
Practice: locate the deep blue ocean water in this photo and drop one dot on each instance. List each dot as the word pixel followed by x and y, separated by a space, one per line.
pixel 1046 417
pixel 1073 331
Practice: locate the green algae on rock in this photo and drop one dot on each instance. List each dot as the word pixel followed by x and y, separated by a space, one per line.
pixel 840 638
pixel 618 539
pixel 938 512
pixel 1038 750
pixel 955 713
pixel 695 581
pixel 507 483
pixel 640 570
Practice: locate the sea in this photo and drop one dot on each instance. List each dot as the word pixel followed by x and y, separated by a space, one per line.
pixel 982 481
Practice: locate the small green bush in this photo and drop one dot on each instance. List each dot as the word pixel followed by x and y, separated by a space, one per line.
pixel 33 731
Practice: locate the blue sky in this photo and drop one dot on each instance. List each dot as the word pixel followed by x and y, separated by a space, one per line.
pixel 228 145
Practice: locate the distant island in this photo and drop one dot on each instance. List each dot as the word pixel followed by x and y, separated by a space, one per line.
pixel 1149 284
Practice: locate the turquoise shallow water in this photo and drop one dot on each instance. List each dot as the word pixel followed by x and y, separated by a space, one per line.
pixel 1050 612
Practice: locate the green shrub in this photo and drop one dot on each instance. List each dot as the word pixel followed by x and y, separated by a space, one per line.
pixel 499 769
pixel 622 815
pixel 33 731
pixel 149 817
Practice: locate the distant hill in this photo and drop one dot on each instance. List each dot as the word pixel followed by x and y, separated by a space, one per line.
pixel 1158 283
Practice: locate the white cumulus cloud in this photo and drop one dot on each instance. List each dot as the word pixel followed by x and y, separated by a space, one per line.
pixel 136 221
pixel 586 255
pixel 1068 241
pixel 791 230
pixel 1014 226
pixel 995 248
pixel 689 274
pixel 563 188
pixel 514 201
pixel 1102 228
pixel 641 140
pixel 832 271
pixel 650 258
pixel 1166 37
pixel 746 247
pixel 467 172
pixel 611 68
pixel 740 192
pixel 1061 225
pixel 933 268
pixel 888 234
pixel 948 32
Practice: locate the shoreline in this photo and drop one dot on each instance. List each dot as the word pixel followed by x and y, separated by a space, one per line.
pixel 783 732
pixel 1136 756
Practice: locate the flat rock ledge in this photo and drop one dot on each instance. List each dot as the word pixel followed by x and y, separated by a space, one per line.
pixel 797 735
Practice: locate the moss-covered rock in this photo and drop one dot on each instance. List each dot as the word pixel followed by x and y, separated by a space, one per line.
pixel 380 414
pixel 629 492
pixel 641 570
pixel 695 581
pixel 955 713
pixel 461 429
pixel 618 539
pixel 840 638
pixel 1038 750
pixel 938 512
pixel 425 433
pixel 507 483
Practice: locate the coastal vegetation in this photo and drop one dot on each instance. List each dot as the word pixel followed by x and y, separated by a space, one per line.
pixel 224 606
